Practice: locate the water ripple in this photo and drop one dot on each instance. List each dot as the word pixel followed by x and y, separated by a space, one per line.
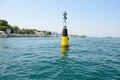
pixel 42 59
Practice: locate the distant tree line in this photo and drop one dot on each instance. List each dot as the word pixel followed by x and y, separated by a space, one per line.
pixel 15 29
pixel 4 25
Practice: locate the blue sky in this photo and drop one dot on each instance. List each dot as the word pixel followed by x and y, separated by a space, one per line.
pixel 88 17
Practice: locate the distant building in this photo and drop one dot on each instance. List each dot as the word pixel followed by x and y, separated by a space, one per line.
pixel 39 33
pixel 3 34
pixel 55 34
pixel 8 31
pixel 83 36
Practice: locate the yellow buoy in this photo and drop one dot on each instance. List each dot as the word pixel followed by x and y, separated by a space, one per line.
pixel 65 42
pixel 65 39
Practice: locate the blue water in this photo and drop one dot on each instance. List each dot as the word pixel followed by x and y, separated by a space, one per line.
pixel 42 59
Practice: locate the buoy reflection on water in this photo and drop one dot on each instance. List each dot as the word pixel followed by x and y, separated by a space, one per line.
pixel 64 51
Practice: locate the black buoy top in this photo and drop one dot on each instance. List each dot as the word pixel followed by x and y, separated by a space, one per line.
pixel 64 33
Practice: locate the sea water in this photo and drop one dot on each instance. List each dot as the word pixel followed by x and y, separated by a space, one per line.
pixel 41 58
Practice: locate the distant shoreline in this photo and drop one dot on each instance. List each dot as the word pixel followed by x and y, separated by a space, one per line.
pixel 24 35
pixel 34 35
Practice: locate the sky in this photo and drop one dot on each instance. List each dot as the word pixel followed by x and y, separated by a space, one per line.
pixel 85 17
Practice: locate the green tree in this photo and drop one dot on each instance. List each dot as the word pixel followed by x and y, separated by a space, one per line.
pixel 48 33
pixel 27 31
pixel 3 28
pixel 16 29
pixel 3 23
pixel 32 31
